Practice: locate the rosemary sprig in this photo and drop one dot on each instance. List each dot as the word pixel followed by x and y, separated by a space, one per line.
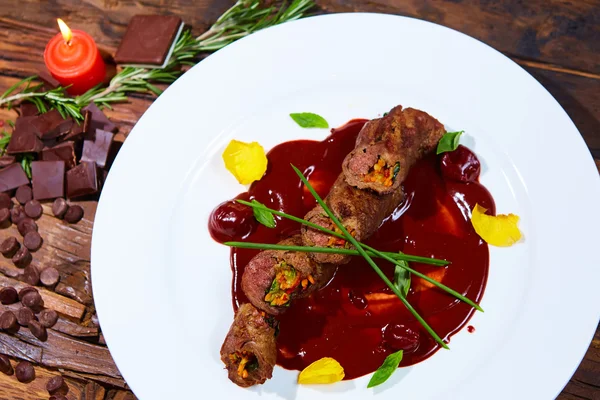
pixel 378 253
pixel 369 260
pixel 244 18
pixel 313 249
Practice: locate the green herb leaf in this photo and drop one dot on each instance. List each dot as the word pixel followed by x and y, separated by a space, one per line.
pixel 26 160
pixel 309 120
pixel 386 370
pixel 11 123
pixel 448 142
pixel 402 278
pixel 263 216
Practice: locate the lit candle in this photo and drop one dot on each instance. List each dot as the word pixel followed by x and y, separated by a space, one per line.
pixel 73 59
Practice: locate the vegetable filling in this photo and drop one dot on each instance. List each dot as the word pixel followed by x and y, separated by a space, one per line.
pixel 339 242
pixel 382 174
pixel 286 281
pixel 246 362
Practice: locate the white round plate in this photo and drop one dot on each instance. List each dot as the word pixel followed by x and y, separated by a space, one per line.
pixel 162 285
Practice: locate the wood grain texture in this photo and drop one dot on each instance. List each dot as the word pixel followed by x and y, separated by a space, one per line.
pixel 557 41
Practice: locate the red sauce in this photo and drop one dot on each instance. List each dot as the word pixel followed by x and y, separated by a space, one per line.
pixel 471 329
pixel 356 319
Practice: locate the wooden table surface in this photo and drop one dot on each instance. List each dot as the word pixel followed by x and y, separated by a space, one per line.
pixel 558 42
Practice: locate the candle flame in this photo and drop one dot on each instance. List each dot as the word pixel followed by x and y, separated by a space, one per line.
pixel 65 30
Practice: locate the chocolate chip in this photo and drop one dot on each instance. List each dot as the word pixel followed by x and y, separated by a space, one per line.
pixel 8 322
pixel 25 372
pixel 49 276
pixel 4 218
pixel 48 318
pixel 9 247
pixel 74 214
pixel 8 295
pixel 24 315
pixel 5 366
pixel 33 300
pixel 33 209
pixel 22 257
pixel 32 240
pixel 26 225
pixel 38 330
pixel 17 214
pixel 31 276
pixel 58 397
pixel 5 201
pixel 25 290
pixel 24 194
pixel 59 207
pixel 57 386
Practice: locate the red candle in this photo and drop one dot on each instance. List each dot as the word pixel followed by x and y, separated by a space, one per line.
pixel 73 59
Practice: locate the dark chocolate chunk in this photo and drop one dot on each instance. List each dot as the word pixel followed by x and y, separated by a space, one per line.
pixel 26 225
pixel 97 120
pixel 148 39
pixel 62 152
pixel 48 179
pixel 74 214
pixel 8 295
pixel 24 194
pixel 4 218
pixel 38 330
pixel 59 207
pixel 8 322
pixel 31 276
pixel 48 318
pixel 12 177
pixel 28 109
pixel 25 290
pixel 24 138
pixel 24 372
pixel 22 257
pixel 33 300
pixel 24 315
pixel 5 201
pixel 77 131
pixel 57 386
pixel 9 247
pixel 32 240
pixel 51 124
pixel 49 276
pixel 82 180
pixel 49 81
pixel 5 161
pixel 33 209
pixel 17 214
pixel 5 366
pixel 97 150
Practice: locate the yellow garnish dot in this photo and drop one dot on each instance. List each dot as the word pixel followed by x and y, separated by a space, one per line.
pixel 501 230
pixel 246 161
pixel 323 371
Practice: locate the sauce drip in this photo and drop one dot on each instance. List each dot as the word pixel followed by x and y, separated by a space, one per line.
pixel 356 319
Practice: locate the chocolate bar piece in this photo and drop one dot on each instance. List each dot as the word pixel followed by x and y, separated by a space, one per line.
pixel 24 138
pixel 97 120
pixel 49 81
pixel 12 177
pixel 97 150
pixel 62 152
pixel 51 124
pixel 148 40
pixel 28 109
pixel 5 161
pixel 75 133
pixel 82 180
pixel 48 179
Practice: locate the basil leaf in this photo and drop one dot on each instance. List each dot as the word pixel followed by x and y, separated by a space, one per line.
pixel 309 120
pixel 386 370
pixel 263 216
pixel 402 278
pixel 448 142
